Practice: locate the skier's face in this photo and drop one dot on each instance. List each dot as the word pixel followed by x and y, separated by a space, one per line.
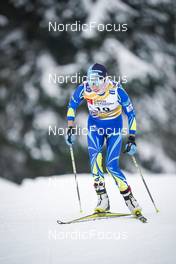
pixel 97 84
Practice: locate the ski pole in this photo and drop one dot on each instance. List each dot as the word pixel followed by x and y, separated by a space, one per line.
pixel 74 171
pixel 140 172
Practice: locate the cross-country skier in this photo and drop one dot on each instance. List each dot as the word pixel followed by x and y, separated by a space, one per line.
pixel 106 100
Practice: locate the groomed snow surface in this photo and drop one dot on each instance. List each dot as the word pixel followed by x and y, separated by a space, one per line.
pixel 29 233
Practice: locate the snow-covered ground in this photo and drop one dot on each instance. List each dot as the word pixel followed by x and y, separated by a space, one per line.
pixel 29 233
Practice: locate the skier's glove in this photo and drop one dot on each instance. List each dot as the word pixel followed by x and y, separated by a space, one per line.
pixel 70 138
pixel 130 147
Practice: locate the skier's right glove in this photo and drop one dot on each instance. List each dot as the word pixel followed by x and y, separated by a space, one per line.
pixel 70 138
pixel 130 147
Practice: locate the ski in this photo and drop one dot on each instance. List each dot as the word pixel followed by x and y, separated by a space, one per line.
pixel 93 217
pixel 142 218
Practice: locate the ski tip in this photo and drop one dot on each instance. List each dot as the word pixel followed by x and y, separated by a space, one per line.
pixel 143 219
pixel 157 210
pixel 60 222
pixel 81 211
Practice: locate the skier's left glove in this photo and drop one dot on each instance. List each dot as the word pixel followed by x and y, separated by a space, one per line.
pixel 70 138
pixel 130 147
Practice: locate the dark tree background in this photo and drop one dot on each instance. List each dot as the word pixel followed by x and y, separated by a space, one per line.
pixel 145 53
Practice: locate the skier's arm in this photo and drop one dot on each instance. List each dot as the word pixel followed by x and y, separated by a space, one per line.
pixel 75 101
pixel 128 109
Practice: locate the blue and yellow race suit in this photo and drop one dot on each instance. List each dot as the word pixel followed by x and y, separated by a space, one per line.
pixel 105 123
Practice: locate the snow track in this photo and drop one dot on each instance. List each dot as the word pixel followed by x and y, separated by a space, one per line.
pixel 29 232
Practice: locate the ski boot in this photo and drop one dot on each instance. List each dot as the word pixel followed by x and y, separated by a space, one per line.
pixel 133 205
pixel 131 202
pixel 103 204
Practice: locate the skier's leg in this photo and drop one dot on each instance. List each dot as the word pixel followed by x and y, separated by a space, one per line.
pixel 114 143
pixel 95 145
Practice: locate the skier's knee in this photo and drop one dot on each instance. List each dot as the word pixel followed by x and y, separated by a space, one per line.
pixel 96 166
